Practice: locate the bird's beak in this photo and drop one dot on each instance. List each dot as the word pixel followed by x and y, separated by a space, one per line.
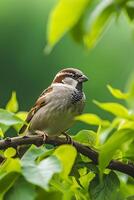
pixel 83 78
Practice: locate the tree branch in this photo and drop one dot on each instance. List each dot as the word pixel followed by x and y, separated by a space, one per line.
pixel 56 141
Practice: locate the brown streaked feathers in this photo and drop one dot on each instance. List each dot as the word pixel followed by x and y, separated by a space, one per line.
pixel 68 72
pixel 39 103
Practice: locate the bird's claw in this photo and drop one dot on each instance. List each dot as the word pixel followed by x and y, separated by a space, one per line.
pixel 42 133
pixel 68 138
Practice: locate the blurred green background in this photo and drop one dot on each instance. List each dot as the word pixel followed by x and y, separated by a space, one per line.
pixel 26 69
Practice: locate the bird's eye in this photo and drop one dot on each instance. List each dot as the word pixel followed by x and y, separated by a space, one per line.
pixel 78 75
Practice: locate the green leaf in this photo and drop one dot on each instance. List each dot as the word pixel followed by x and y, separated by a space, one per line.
pixel 32 154
pixel 4 128
pixel 7 118
pixel 53 195
pixel 62 18
pixel 86 137
pixel 39 174
pixel 130 89
pixel 12 105
pixel 10 152
pixel 107 189
pixel 22 115
pixel 6 182
pixel 10 165
pixel 1 133
pixel 114 108
pixel 130 10
pixel 21 190
pixel 85 178
pixel 98 21
pixel 117 93
pixel 115 142
pixel 126 124
pixel 63 153
pixel 9 172
pixel 92 119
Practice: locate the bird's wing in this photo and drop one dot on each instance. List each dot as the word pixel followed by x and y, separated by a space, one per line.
pixel 41 101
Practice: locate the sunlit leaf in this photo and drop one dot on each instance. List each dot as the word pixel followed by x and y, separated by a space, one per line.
pixel 92 119
pixel 63 153
pixel 117 93
pixel 114 108
pixel 98 22
pixel 87 137
pixel 8 118
pixel 10 165
pixel 22 115
pixel 112 144
pixel 1 133
pixel 9 152
pixel 62 18
pixel 12 105
pixel 85 178
pixel 126 124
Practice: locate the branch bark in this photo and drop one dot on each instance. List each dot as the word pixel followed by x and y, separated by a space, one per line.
pixel 56 141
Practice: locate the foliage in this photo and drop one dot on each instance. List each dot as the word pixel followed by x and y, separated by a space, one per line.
pixel 86 20
pixel 48 173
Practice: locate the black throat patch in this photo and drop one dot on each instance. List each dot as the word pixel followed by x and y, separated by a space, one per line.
pixel 77 95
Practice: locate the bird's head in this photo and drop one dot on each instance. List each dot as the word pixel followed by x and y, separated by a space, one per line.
pixel 71 76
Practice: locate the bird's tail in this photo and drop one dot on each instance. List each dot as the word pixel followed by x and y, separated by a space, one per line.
pixel 23 128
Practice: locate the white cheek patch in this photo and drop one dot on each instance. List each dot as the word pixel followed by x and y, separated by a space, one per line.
pixel 70 81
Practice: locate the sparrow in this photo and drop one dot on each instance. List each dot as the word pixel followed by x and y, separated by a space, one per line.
pixel 55 109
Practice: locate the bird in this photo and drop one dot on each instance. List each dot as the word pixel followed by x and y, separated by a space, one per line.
pixel 57 106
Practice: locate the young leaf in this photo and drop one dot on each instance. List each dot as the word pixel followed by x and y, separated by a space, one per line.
pixel 92 119
pixel 98 22
pixel 117 93
pixel 112 144
pixel 126 124
pixel 42 173
pixel 62 18
pixel 12 105
pixel 1 133
pixel 86 179
pixel 63 153
pixel 10 152
pixel 114 108
pixel 10 165
pixel 22 115
pixel 107 189
pixel 86 137
pixel 8 118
